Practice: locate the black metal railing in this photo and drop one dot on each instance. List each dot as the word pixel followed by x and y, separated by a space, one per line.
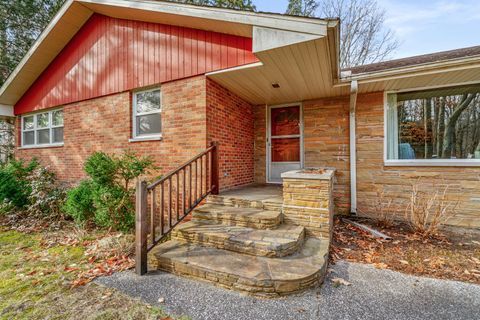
pixel 165 203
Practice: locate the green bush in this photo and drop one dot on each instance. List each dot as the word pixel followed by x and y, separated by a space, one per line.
pixel 106 198
pixel 14 185
pixel 79 203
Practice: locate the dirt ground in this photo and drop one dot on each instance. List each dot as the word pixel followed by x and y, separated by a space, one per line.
pixel 454 254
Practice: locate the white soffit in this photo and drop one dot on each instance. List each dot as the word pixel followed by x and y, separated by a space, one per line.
pixel 267 38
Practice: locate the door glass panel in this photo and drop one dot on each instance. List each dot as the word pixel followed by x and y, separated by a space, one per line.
pixel 285 121
pixel 286 150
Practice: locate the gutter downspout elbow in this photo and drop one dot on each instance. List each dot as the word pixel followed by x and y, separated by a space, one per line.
pixel 353 147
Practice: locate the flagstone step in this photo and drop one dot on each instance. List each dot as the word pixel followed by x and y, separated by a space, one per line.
pixel 283 241
pixel 260 276
pixel 236 216
pixel 266 203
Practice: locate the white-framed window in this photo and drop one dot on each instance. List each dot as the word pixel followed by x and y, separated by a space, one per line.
pixel 42 129
pixel 147 114
pixel 433 127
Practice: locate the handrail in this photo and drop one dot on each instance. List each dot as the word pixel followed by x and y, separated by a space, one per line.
pixel 184 195
pixel 173 172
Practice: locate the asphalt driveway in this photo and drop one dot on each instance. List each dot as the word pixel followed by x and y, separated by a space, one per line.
pixel 373 294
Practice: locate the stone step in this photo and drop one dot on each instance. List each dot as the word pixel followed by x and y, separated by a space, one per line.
pixel 234 216
pixel 246 202
pixel 280 242
pixel 260 276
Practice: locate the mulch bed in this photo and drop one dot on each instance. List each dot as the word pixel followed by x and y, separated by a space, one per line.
pixel 454 254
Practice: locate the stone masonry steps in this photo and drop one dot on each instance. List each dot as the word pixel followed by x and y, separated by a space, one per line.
pixel 234 201
pixel 260 276
pixel 280 242
pixel 238 216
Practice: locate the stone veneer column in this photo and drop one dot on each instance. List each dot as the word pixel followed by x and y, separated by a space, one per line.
pixel 308 200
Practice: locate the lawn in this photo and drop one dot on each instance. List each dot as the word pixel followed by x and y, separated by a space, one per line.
pixel 46 275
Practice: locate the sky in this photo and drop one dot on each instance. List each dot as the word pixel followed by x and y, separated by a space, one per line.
pixel 421 26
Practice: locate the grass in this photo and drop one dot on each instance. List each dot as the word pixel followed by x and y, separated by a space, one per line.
pixel 36 283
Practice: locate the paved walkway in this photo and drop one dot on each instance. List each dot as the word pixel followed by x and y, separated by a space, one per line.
pixel 374 294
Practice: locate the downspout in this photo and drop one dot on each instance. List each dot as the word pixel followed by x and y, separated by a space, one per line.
pixel 353 148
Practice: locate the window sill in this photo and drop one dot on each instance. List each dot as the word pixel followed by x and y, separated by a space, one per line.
pixel 433 163
pixel 145 139
pixel 41 146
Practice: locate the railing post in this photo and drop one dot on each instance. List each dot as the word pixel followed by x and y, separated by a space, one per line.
pixel 215 168
pixel 141 228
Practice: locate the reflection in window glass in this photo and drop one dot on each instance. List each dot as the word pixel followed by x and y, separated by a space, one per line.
pixel 45 128
pixel 147 114
pixel 436 124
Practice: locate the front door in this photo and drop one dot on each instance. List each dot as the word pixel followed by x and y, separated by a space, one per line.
pixel 285 141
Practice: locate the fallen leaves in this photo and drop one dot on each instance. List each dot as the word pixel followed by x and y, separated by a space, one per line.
pixel 447 256
pixel 340 281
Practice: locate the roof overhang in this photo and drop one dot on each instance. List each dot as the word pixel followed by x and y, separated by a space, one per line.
pixel 458 71
pixel 279 30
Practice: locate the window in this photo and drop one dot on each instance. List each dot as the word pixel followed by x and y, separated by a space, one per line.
pixel 147 110
pixel 43 129
pixel 434 126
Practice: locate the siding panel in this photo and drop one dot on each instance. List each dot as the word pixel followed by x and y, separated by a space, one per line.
pixel 111 55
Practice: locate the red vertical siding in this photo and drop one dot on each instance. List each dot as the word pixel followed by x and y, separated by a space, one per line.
pixel 111 55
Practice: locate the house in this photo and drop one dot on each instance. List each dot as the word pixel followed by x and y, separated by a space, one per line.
pixel 166 80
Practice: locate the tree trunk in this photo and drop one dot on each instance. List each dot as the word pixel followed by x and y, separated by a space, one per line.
pixel 441 126
pixel 449 136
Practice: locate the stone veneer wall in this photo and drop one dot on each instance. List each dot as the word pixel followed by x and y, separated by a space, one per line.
pixel 308 201
pixel 373 176
pixel 326 143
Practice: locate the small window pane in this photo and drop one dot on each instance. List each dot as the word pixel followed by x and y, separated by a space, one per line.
pixel 149 124
pixel 57 118
pixel 42 120
pixel 148 101
pixel 28 138
pixel 28 123
pixel 43 136
pixel 57 135
pixel 285 121
pixel 286 150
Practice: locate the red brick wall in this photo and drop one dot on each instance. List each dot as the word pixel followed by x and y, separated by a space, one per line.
pixel 104 124
pixel 230 122
pixel 195 111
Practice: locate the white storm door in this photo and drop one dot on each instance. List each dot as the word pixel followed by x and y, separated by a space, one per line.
pixel 284 141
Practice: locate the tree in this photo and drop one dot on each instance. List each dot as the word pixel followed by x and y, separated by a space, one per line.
pixel 364 38
pixel 305 8
pixel 7 131
pixel 230 4
pixel 21 22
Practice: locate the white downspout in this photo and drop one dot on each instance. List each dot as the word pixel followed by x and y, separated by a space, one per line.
pixel 353 148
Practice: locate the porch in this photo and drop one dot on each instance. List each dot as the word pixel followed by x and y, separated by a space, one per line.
pixel 262 239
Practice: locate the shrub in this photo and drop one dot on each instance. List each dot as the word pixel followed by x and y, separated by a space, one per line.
pixel 429 208
pixel 46 197
pixel 106 199
pixel 14 186
pixel 79 203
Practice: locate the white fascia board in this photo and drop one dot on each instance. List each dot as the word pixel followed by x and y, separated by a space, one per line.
pixel 277 21
pixel 267 38
pixel 6 111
